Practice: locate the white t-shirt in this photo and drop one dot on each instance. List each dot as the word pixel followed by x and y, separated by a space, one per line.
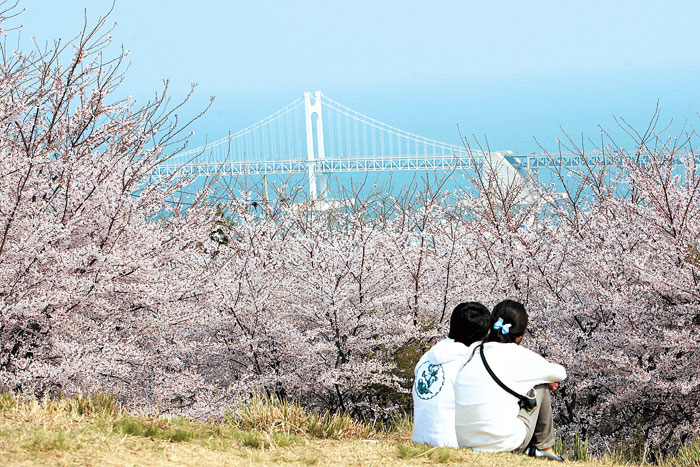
pixel 486 416
pixel 434 396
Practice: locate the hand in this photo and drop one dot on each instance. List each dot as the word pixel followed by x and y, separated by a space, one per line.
pixel 553 386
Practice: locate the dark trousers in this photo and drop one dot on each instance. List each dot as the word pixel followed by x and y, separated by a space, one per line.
pixel 539 422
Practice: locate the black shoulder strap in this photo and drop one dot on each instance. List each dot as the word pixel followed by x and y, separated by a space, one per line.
pixel 495 378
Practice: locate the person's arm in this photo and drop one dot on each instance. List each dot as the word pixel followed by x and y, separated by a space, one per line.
pixel 539 370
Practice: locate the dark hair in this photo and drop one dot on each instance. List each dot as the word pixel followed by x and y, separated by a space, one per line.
pixel 469 323
pixel 512 313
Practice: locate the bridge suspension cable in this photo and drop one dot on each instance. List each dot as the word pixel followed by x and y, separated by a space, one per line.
pixel 249 143
pixel 388 129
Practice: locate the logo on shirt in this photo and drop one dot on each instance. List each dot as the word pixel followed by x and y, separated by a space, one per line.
pixel 429 380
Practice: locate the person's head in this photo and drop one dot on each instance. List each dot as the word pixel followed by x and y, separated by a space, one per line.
pixel 508 322
pixel 469 323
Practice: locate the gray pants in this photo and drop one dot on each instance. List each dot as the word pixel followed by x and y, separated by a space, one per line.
pixel 539 422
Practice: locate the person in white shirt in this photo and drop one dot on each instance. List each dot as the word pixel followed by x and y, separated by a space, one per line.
pixel 487 417
pixel 433 386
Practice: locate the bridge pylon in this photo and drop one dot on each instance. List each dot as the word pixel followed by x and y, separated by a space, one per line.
pixel 313 107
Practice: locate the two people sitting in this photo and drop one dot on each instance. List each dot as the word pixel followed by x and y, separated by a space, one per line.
pixel 477 388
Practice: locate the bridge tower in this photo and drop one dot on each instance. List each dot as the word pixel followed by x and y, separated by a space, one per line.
pixel 313 107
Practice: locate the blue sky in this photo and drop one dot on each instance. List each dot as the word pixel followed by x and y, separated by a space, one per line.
pixel 509 70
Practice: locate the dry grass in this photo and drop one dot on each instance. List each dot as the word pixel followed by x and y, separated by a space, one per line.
pixel 273 415
pixel 93 431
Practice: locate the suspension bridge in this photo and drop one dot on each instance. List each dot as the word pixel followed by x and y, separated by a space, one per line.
pixel 317 136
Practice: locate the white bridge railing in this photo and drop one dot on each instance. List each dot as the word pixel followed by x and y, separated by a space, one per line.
pixel 280 167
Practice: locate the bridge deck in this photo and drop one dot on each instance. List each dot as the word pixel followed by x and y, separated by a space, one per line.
pixel 372 164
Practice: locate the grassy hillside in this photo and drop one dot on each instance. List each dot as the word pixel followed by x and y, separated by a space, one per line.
pixel 94 431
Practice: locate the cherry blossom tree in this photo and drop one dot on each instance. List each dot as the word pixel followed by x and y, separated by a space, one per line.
pixel 97 260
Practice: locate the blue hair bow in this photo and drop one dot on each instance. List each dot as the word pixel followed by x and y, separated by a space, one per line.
pixel 505 328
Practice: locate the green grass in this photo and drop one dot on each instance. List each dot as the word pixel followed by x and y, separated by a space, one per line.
pixel 576 449
pixel 689 455
pixel 414 451
pixel 158 429
pixel 94 430
pixel 7 402
pixel 40 441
